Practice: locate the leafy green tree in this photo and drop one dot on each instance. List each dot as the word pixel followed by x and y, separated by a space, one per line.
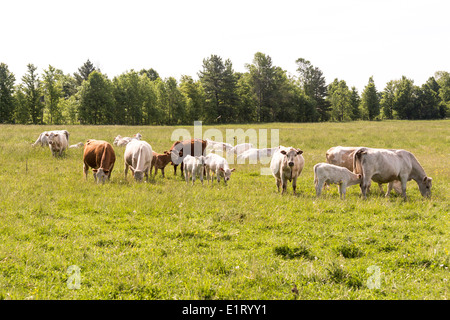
pixel 21 112
pixel 405 105
pixel 388 99
pixel 149 100
pixel 150 73
pixel 246 111
pixel 370 101
pixel 7 80
pixel 32 88
pixel 52 88
pixel 355 102
pixel 443 79
pixel 195 99
pixel 96 100
pixel 176 102
pixel 220 87
pixel 314 85
pixel 129 98
pixel 429 100
pixel 339 97
pixel 84 71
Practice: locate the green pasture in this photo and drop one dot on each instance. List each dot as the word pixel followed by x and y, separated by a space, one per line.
pixel 168 240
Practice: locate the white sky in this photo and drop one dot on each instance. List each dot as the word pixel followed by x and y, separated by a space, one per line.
pixel 350 40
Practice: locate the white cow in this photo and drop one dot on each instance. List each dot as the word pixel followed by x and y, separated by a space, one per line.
pixel 240 148
pixel 388 165
pixel 194 166
pixel 42 140
pixel 78 145
pixel 123 141
pixel 253 154
pixel 331 174
pixel 221 147
pixel 57 143
pixel 138 157
pixel 215 164
pixel 287 164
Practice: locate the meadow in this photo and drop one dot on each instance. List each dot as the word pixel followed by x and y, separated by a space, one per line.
pixel 168 240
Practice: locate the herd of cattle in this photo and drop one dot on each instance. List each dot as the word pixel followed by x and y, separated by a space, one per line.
pixel 345 166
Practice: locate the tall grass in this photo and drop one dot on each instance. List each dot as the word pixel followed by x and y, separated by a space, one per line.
pixel 169 240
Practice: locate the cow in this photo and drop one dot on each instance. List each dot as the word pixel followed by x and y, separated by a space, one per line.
pixel 57 143
pixel 286 165
pixel 160 161
pixel 387 166
pixel 78 145
pixel 138 157
pixel 222 147
pixel 42 140
pixel 218 166
pixel 180 149
pixel 343 157
pixel 254 154
pixel 193 167
pixel 123 141
pixel 240 148
pixel 332 174
pixel 100 156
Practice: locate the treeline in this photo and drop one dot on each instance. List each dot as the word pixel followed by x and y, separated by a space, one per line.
pixel 264 93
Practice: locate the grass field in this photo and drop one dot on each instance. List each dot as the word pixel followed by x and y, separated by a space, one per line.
pixel 168 240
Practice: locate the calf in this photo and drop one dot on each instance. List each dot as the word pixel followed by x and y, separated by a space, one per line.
pixel 57 143
pixel 193 166
pixel 331 174
pixel 78 145
pixel 286 165
pixel 160 161
pixel 388 165
pixel 138 157
pixel 180 149
pixel 100 156
pixel 217 165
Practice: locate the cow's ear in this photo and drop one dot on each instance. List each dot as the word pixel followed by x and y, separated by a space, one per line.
pixel 234 169
pixel 46 134
pixel 283 152
pixel 221 169
pixel 56 134
pixel 359 176
pixel 299 151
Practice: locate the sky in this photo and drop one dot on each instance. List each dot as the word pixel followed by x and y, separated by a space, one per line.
pixel 350 40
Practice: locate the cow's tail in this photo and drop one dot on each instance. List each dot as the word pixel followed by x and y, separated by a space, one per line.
pixel 140 157
pixel 357 160
pixel 315 175
pixel 104 159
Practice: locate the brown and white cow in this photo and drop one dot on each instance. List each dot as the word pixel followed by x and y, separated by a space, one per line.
pixel 100 156
pixel 138 157
pixel 180 149
pixel 160 161
pixel 286 165
pixel 388 165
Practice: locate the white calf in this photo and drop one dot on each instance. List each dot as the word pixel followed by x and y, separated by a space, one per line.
pixel 217 165
pixel 331 174
pixel 193 166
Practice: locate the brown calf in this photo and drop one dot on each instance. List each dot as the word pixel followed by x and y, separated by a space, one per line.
pixel 160 161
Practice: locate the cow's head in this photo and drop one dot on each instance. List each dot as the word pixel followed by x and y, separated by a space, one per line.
pixel 290 155
pixel 101 175
pixel 137 136
pixel 51 137
pixel 138 175
pixel 117 139
pixel 425 186
pixel 227 173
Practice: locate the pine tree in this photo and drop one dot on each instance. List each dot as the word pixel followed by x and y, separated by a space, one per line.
pixel 7 80
pixel 33 94
pixel 370 101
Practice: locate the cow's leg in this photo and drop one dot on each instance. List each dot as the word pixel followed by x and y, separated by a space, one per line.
pixel 365 186
pixel 342 189
pixel 186 175
pixel 294 184
pixel 283 185
pixel 193 177
pixel 380 186
pixel 404 180
pixel 126 170
pixel 319 185
pixel 162 171
pixel 175 169
pixel 278 183
pixel 85 170
pixel 388 192
pixel 218 175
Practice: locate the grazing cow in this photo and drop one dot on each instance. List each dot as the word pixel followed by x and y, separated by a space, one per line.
pixel 388 165
pixel 100 156
pixel 57 142
pixel 331 174
pixel 78 145
pixel 180 149
pixel 123 141
pixel 217 146
pixel 42 140
pixel 160 161
pixel 138 157
pixel 217 165
pixel 256 154
pixel 343 157
pixel 287 164
pixel 240 148
pixel 194 166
